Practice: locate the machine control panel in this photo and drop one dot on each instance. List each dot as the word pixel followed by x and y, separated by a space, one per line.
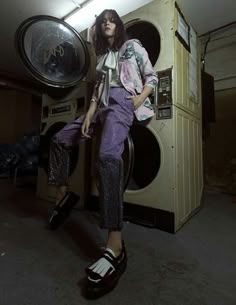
pixel 165 87
pixel 61 109
pixel 164 96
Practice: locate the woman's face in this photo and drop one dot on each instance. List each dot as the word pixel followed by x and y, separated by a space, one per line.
pixel 108 26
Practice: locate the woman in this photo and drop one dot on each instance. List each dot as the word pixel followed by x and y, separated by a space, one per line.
pixel 125 79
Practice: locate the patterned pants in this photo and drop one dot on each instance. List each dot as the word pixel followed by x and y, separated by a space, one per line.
pixel 116 120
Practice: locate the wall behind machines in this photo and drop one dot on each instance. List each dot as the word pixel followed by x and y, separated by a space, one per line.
pixel 220 144
pixel 20 114
pixel 220 57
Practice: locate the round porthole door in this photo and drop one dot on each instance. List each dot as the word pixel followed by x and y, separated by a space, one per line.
pixel 52 51
pixel 145 155
pixel 148 35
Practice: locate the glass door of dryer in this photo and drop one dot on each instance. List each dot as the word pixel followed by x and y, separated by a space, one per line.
pixel 52 51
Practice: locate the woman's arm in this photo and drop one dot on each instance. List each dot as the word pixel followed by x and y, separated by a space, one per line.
pixel 95 95
pixel 88 118
pixel 92 109
pixel 144 64
pixel 149 76
pixel 138 99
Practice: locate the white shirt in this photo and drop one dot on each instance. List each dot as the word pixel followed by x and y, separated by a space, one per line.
pixel 108 64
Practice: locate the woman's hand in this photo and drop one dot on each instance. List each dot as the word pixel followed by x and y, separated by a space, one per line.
pixel 85 127
pixel 136 100
pixel 88 119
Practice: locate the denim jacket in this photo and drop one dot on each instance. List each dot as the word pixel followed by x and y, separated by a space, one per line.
pixel 135 71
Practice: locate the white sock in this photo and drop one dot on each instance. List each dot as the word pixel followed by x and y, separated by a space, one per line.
pixel 102 266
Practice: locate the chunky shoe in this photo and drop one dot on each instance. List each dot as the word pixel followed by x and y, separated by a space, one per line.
pixel 104 274
pixel 62 210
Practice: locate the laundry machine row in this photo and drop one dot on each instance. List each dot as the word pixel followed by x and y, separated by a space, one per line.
pixel 165 184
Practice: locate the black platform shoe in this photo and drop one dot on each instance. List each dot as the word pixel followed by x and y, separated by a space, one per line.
pixel 62 210
pixel 98 285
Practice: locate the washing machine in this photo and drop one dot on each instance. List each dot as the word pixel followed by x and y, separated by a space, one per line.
pixel 55 115
pixel 64 64
pixel 54 53
pixel 166 178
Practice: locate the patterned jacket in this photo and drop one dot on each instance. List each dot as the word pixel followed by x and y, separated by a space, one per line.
pixel 135 71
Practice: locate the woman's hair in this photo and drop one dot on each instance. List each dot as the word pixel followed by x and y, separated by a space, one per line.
pixel 100 42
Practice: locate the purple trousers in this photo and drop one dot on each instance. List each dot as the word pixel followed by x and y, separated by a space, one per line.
pixel 115 120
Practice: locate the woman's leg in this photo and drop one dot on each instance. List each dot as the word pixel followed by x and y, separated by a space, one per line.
pixel 110 166
pixel 110 175
pixel 59 158
pixel 59 163
pixel 105 272
pixel 114 241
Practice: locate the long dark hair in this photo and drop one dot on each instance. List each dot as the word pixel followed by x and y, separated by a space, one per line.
pixel 100 42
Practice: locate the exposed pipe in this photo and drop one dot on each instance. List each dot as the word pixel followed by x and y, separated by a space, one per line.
pixel 205 50
pixel 225 77
pixel 225 89
pixel 218 29
pixel 209 39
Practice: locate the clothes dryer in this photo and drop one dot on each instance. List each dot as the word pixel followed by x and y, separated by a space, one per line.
pixel 172 45
pixel 173 186
pixel 166 180
pixel 55 115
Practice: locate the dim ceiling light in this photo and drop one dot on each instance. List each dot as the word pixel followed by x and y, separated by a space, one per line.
pixel 85 16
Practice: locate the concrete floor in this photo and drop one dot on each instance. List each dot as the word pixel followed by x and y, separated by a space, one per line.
pixel 196 266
